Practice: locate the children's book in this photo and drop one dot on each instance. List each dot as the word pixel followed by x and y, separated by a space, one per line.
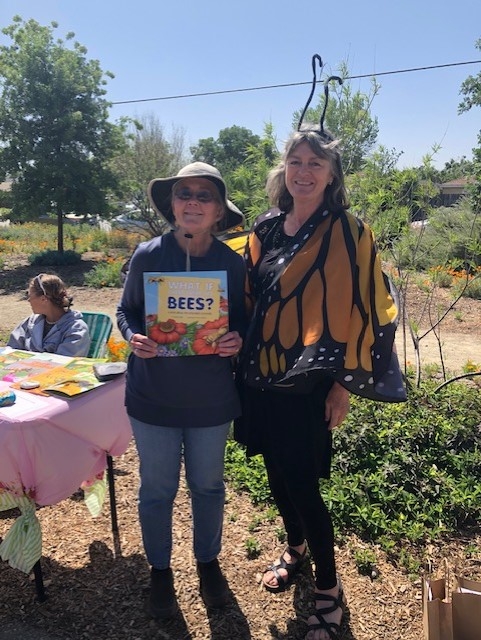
pixel 77 384
pixel 68 379
pixel 186 312
pixel 16 365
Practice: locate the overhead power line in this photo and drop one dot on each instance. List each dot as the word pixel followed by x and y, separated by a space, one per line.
pixel 294 84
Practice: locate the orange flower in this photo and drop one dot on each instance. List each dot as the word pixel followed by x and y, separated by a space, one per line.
pixel 205 341
pixel 117 350
pixel 167 332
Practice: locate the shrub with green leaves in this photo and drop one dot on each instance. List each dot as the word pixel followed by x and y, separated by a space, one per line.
pixel 452 235
pixel 105 274
pixel 253 548
pixel 247 474
pixel 401 472
pixel 365 560
pixel 471 290
pixel 409 471
pixel 55 258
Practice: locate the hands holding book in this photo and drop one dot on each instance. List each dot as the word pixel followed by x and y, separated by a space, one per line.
pixel 229 345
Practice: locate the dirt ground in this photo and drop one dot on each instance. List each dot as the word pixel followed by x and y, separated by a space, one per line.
pixel 97 590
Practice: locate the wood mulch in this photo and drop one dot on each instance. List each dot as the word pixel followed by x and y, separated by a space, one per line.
pixel 96 593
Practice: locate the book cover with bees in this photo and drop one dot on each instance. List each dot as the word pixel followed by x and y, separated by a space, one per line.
pixel 186 312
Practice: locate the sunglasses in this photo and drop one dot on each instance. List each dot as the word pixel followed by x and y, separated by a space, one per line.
pixel 204 196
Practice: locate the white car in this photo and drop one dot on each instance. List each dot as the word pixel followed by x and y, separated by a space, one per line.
pixel 128 223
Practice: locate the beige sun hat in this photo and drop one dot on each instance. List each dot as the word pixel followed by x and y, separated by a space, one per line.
pixel 160 195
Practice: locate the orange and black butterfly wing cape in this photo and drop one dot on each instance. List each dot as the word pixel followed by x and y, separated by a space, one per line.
pixel 322 302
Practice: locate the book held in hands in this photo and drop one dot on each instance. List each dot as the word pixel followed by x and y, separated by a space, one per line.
pixel 186 313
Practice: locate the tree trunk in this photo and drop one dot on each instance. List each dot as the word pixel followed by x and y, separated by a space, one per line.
pixel 59 229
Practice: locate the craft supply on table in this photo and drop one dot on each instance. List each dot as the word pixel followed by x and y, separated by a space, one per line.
pixel 29 384
pixel 7 398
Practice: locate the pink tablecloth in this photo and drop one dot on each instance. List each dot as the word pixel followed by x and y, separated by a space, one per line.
pixel 49 445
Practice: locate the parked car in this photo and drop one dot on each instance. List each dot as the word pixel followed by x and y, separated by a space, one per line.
pixel 68 218
pixel 128 222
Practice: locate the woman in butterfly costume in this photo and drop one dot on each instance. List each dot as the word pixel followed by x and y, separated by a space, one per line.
pixel 323 324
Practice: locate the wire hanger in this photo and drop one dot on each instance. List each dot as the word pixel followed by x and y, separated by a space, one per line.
pixel 322 132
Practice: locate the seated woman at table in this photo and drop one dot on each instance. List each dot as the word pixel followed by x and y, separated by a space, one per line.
pixel 52 327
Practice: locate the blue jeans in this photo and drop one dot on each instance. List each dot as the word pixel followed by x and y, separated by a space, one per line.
pixel 160 453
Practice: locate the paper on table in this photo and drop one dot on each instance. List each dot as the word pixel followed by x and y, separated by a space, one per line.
pixel 71 379
pixel 16 366
pixel 80 383
pixel 26 403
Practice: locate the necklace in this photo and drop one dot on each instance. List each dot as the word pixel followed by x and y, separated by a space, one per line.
pixel 50 323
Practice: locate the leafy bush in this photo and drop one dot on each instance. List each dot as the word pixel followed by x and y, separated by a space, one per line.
pixel 401 472
pixel 440 277
pixel 121 240
pixel 472 289
pixel 452 236
pixel 253 548
pixel 365 560
pixel 105 274
pixel 247 474
pixel 48 258
pixel 409 471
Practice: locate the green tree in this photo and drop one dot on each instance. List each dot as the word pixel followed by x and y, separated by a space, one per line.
pixel 471 89
pixel 228 151
pixel 389 199
pixel 454 169
pixel 248 180
pixel 57 140
pixel 348 118
pixel 149 154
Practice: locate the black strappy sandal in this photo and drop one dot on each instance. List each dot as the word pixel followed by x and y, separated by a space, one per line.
pixel 291 567
pixel 332 628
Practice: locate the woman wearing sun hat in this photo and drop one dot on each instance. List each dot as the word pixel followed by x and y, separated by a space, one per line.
pixel 183 406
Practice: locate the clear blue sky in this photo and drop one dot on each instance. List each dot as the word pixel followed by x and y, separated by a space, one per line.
pixel 157 48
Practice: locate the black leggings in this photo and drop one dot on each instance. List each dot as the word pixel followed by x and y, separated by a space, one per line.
pixel 297 451
pixel 296 493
